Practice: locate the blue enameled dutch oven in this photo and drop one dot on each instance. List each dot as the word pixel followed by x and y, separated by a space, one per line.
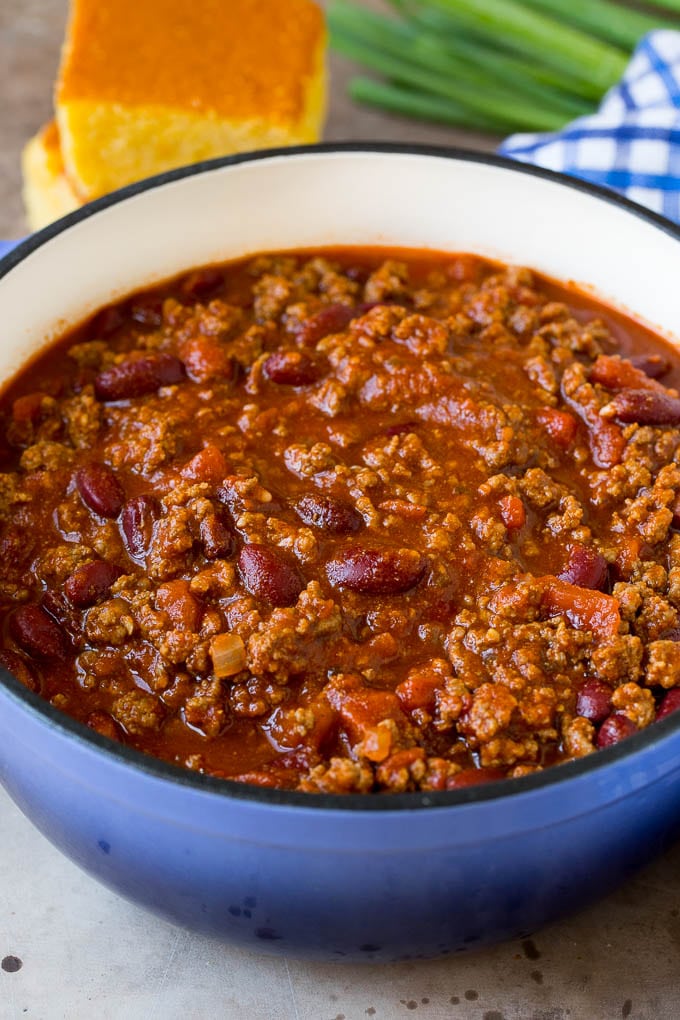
pixel 360 877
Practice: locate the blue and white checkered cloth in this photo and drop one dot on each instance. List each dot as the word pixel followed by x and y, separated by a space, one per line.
pixel 632 144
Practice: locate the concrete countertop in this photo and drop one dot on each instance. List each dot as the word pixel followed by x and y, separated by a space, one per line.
pixel 71 950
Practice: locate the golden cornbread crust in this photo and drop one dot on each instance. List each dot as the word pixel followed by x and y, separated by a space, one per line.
pixel 239 58
pixel 48 194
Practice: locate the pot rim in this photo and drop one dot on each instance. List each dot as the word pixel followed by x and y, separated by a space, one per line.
pixel 657 733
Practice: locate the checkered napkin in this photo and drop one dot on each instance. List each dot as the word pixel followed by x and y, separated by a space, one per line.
pixel 632 144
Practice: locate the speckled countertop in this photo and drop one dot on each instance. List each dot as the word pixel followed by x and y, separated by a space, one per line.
pixel 71 950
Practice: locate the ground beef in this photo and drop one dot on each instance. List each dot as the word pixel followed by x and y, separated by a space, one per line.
pixel 346 522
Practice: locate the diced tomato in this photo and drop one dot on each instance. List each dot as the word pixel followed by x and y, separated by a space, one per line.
pixel 205 359
pixel 560 425
pixel 513 513
pixel 585 608
pixel 620 374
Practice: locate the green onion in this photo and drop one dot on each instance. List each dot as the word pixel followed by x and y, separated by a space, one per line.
pixel 498 65
pixel 398 99
pixel 607 20
pixel 508 96
pixel 577 98
pixel 549 41
pixel 499 112
pixel 669 5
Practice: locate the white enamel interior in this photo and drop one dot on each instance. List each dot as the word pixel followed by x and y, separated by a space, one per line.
pixel 338 198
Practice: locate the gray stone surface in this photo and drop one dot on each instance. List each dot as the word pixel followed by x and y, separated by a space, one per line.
pixel 87 954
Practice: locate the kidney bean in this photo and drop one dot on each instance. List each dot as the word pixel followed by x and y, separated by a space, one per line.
pixel 357 273
pixel 400 430
pixel 645 407
pixel 217 537
pixel 56 605
pixel 614 729
pixel 331 319
pixel 337 516
pixel 586 568
pixel 474 777
pixel 268 576
pixel 37 633
pixel 91 583
pixel 291 368
pixel 137 522
pixel 670 703
pixel 594 701
pixel 136 378
pixel 208 465
pixel 104 724
pixel 148 309
pixel 653 365
pixel 377 571
pixel 675 523
pixel 19 669
pixel 201 283
pixel 100 490
pixel 367 306
pixel 106 322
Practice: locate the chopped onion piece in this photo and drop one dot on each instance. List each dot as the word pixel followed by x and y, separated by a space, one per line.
pixel 228 654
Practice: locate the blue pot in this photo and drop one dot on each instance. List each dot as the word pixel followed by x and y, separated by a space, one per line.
pixel 355 878
pixel 363 877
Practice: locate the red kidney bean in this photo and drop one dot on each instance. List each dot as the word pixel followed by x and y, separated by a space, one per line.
pixel 100 490
pixel 148 310
pixel 367 306
pixel 614 729
pixel 136 378
pixel 331 319
pixel 670 703
pixel 201 283
pixel 217 537
pixel 291 368
pixel 337 516
pixel 19 669
pixel 586 568
pixel 400 430
pixel 137 521
pixel 474 777
pixel 106 322
pixel 91 583
pixel 645 407
pixel 37 633
pixel 377 571
pixel 55 603
pixel 675 507
pixel 268 576
pixel 653 365
pixel 594 701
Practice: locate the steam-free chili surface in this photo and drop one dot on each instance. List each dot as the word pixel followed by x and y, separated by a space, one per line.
pixel 348 521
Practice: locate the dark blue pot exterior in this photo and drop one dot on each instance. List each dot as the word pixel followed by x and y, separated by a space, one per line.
pixel 330 879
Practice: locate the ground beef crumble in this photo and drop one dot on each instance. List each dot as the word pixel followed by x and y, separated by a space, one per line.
pixel 348 523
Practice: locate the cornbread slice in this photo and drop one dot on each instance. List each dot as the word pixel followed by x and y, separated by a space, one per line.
pixel 48 193
pixel 148 85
